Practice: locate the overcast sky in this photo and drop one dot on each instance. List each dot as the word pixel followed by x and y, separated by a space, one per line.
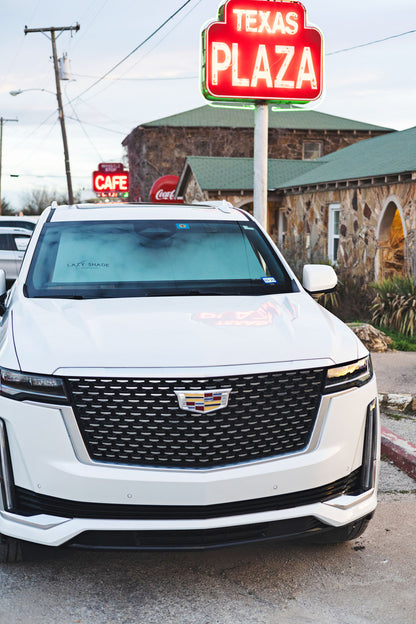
pixel 375 83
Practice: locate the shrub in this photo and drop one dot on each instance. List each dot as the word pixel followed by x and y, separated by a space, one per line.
pixel 394 306
pixel 352 300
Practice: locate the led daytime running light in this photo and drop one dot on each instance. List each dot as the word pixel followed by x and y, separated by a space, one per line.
pixel 349 375
pixel 24 386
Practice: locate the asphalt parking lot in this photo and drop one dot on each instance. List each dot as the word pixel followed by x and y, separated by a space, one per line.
pixel 369 580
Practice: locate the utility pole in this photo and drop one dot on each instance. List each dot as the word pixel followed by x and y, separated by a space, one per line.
pixel 2 121
pixel 52 30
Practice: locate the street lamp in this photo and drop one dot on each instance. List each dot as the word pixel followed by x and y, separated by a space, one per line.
pixel 19 91
pixel 15 92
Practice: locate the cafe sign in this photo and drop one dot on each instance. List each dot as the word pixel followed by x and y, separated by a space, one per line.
pixel 262 50
pixel 110 180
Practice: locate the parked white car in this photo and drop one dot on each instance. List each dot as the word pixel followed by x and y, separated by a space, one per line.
pixel 26 222
pixel 167 382
pixel 13 243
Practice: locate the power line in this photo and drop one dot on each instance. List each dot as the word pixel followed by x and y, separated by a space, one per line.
pixel 140 79
pixel 364 45
pixel 86 28
pixel 94 125
pixel 159 28
pixel 85 132
pixel 164 37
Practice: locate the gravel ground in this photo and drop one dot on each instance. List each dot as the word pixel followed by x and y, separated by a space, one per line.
pixel 395 371
pixel 392 479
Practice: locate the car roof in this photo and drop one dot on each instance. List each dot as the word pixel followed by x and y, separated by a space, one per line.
pixel 209 211
pixel 15 230
pixel 22 218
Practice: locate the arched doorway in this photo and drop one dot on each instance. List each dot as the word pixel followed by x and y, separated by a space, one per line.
pixel 391 240
pixel 246 204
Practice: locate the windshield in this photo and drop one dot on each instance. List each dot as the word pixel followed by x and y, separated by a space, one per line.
pixel 153 258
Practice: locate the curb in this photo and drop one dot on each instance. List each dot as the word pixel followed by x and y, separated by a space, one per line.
pixel 399 451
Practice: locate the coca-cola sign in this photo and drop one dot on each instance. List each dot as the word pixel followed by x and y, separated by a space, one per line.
pixel 163 190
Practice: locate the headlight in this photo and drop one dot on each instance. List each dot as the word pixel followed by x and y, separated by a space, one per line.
pixel 27 387
pixel 348 375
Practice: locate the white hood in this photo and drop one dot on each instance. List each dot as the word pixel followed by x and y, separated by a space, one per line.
pixel 51 335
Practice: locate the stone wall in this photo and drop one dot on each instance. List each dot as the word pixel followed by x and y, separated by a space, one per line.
pixel 361 213
pixel 154 151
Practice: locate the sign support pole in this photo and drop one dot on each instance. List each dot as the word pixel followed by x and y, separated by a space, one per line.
pixel 261 136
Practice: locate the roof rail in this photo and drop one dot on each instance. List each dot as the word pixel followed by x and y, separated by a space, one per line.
pixel 222 205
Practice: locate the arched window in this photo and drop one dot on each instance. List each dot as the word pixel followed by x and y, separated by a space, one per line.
pixel 391 241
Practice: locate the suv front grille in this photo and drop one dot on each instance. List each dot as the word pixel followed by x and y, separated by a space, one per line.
pixel 139 422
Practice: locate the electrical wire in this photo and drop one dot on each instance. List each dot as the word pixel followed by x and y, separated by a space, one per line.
pixel 85 29
pixel 141 78
pixel 39 144
pixel 364 45
pixel 95 125
pixel 21 45
pixel 163 38
pixel 158 29
pixel 90 141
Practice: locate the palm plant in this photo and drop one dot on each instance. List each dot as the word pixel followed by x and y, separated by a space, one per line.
pixel 395 304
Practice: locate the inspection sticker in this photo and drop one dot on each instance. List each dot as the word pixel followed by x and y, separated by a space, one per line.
pixel 269 280
pixel 182 226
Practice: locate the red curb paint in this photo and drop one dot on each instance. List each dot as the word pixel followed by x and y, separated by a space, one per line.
pixel 399 451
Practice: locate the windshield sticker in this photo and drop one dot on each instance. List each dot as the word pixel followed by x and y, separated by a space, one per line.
pixel 182 226
pixel 269 280
pixel 87 265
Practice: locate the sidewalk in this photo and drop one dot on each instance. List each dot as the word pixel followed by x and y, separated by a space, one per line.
pixel 396 380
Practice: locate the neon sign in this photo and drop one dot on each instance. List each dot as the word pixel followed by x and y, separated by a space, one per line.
pixel 110 180
pixel 262 51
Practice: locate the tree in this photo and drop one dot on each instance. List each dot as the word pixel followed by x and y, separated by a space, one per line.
pixel 35 201
pixel 6 208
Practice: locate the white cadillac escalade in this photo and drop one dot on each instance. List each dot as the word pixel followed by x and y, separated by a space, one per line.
pixel 167 382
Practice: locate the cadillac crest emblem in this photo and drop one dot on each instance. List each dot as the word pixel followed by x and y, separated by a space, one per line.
pixel 203 401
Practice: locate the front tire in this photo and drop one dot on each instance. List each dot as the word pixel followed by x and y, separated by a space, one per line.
pixel 342 534
pixel 10 550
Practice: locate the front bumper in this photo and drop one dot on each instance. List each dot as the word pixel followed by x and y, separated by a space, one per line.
pixel 45 464
pixel 183 534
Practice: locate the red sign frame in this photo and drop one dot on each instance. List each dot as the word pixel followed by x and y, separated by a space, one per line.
pixel 262 51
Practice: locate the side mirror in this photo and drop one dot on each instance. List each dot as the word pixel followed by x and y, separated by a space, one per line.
pixel 319 278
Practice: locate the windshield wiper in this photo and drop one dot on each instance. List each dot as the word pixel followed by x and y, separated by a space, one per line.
pixel 55 296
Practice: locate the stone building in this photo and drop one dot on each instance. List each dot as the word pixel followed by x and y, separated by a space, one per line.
pixel 355 207
pixel 160 147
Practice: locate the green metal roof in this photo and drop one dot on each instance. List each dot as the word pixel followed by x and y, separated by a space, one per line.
pixel 231 174
pixel 214 116
pixel 388 154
